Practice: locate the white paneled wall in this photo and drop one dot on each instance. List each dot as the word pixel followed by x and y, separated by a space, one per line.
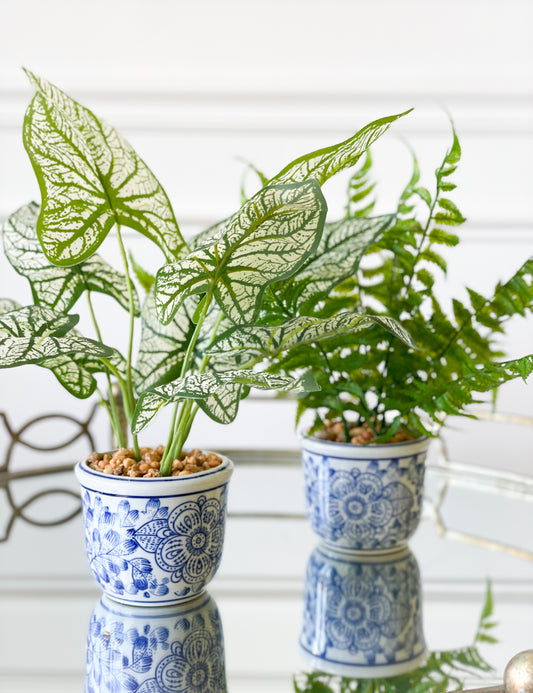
pixel 196 86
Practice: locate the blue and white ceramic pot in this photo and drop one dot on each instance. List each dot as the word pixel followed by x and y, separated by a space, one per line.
pixel 362 615
pixel 178 649
pixel 364 497
pixel 154 541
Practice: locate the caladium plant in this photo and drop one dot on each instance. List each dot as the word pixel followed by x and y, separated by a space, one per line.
pixel 209 315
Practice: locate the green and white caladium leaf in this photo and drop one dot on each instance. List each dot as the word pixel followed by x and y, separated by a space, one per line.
pixel 337 257
pixel 223 405
pixel 73 371
pixel 201 386
pixel 57 287
pixel 244 346
pixel 266 241
pixel 90 179
pixel 7 305
pixel 70 370
pixel 325 163
pixel 162 347
pixel 34 334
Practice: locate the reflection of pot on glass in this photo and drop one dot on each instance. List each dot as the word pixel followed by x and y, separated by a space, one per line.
pixel 156 649
pixel 362 614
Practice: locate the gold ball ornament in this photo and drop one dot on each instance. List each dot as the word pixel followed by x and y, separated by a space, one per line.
pixel 518 675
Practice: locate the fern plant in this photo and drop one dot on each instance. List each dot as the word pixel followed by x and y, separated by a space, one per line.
pixel 92 181
pixel 386 270
pixel 443 670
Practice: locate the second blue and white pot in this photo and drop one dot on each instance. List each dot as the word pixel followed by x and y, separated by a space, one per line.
pixel 364 497
pixel 154 541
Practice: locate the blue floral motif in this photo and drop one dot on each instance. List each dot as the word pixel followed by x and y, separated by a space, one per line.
pixel 193 666
pixel 186 657
pixel 189 543
pixel 111 544
pixel 109 669
pixel 371 506
pixel 150 549
pixel 362 613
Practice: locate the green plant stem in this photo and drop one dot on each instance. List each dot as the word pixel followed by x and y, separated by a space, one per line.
pixel 129 380
pixel 111 404
pixel 180 418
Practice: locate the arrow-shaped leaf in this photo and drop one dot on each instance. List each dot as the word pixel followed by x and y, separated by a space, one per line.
pixel 57 287
pixel 324 163
pixel 201 386
pixel 266 241
pixel 162 347
pixel 37 321
pixel 7 305
pixel 19 351
pixel 337 257
pixel 223 405
pixel 70 369
pixel 244 346
pixel 36 335
pixel 90 179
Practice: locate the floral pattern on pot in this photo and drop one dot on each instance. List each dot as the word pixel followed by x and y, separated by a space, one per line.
pixel 153 547
pixel 364 503
pixel 152 550
pixel 362 617
pixel 171 650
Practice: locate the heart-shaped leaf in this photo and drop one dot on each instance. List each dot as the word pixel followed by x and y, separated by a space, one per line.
pixel 71 370
pixel 34 334
pixel 322 164
pixel 37 321
pixel 162 347
pixel 337 257
pixel 57 287
pixel 223 405
pixel 244 346
pixel 7 305
pixel 90 179
pixel 200 386
pixel 266 241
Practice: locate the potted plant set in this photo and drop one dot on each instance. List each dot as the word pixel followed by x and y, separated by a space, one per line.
pixel 155 516
pixel 381 400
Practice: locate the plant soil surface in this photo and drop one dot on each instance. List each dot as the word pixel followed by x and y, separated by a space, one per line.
pixel 359 435
pixel 123 462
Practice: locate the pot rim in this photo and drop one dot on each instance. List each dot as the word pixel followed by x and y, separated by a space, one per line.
pixel 369 446
pixel 154 486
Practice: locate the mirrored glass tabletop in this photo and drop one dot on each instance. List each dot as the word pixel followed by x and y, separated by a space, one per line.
pixel 281 606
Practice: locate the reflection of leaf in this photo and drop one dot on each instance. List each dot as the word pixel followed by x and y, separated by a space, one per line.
pixel 57 287
pixel 266 241
pixel 90 179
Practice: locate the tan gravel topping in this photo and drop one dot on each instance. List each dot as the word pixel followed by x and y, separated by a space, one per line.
pixel 359 435
pixel 123 462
